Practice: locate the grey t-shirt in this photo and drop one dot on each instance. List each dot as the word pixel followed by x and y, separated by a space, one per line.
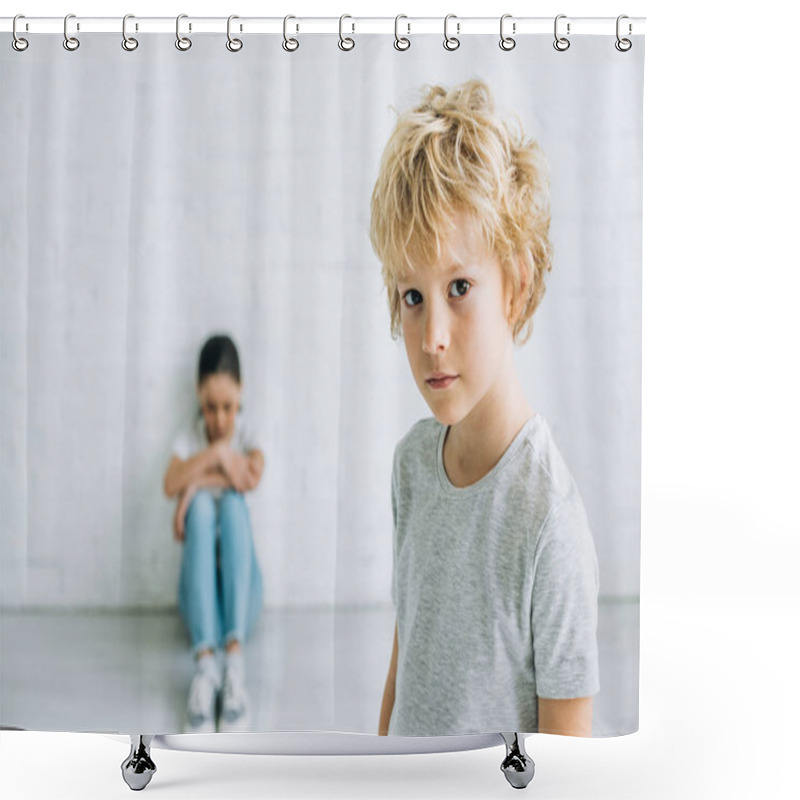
pixel 495 586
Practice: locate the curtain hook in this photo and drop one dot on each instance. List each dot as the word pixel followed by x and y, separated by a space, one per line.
pixel 507 42
pixel 128 42
pixel 401 43
pixel 346 43
pixel 18 43
pixel 451 42
pixel 234 45
pixel 183 43
pixel 289 45
pixel 70 42
pixel 623 45
pixel 561 43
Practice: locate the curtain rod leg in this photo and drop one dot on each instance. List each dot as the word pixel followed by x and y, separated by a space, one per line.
pixel 138 768
pixel 517 766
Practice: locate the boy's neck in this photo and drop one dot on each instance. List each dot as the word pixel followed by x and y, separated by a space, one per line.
pixel 474 445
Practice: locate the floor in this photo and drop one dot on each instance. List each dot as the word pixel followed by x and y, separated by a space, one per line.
pixel 306 670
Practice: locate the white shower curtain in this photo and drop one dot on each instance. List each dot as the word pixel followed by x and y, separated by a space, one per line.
pixel 150 199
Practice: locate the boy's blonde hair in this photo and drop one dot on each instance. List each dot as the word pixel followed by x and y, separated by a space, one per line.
pixel 452 154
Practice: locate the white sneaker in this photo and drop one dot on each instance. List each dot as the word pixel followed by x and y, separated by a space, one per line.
pixel 202 707
pixel 235 714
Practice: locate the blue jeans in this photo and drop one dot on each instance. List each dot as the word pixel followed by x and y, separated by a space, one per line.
pixel 220 594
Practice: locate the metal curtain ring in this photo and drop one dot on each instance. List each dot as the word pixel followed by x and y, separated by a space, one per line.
pixel 234 45
pixel 128 42
pixel 451 42
pixel 70 42
pixel 183 43
pixel 507 42
pixel 623 45
pixel 561 43
pixel 289 45
pixel 345 42
pixel 18 43
pixel 400 42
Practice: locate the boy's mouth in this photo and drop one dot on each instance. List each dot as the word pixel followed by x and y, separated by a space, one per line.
pixel 439 380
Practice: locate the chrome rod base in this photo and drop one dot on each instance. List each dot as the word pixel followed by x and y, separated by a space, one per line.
pixel 517 766
pixel 138 768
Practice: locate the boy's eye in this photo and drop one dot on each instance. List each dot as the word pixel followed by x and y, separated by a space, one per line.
pixel 459 288
pixel 412 298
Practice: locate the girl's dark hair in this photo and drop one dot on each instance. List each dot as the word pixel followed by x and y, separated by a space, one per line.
pixel 218 355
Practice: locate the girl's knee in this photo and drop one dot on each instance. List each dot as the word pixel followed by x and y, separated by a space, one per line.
pixel 201 509
pixel 232 504
pixel 234 523
pixel 202 502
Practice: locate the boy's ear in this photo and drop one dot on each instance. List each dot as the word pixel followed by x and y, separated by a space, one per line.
pixel 517 304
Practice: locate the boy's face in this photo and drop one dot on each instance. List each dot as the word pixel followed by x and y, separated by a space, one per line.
pixel 455 320
pixel 219 401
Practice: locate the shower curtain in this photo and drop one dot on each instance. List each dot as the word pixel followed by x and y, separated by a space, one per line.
pixel 155 197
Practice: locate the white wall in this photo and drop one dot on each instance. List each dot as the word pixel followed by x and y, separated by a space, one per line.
pixel 152 198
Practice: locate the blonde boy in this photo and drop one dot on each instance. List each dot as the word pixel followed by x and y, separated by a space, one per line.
pixel 495 572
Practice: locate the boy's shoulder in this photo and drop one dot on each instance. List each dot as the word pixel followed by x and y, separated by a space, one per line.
pixel 550 472
pixel 556 503
pixel 421 432
pixel 415 453
pixel 419 442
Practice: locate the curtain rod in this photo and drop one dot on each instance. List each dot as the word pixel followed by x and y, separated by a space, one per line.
pixel 461 26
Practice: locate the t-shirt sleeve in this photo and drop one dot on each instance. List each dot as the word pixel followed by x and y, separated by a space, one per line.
pixel 249 436
pixel 564 609
pixel 394 533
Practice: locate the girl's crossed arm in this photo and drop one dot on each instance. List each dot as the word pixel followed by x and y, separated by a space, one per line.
pixel 243 471
pixel 221 467
pixel 183 473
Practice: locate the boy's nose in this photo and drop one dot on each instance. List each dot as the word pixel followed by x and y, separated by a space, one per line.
pixel 436 336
